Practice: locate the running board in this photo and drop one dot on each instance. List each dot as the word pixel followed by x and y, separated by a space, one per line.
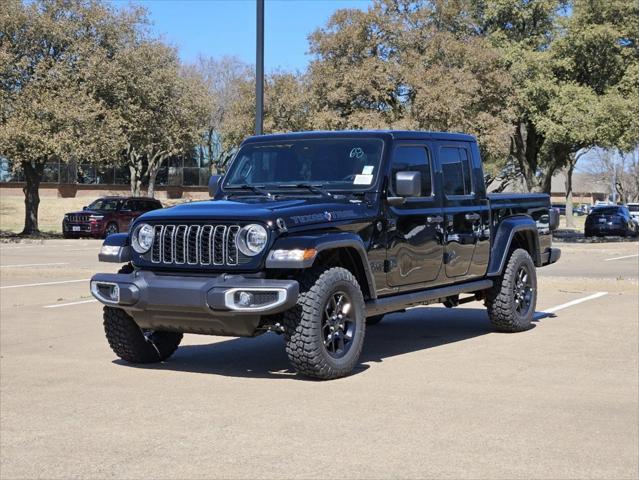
pixel 393 303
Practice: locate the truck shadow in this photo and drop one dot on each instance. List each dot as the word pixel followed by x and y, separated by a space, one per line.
pixel 398 334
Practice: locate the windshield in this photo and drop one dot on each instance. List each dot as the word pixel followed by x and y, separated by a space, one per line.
pixel 335 164
pixel 607 211
pixel 105 204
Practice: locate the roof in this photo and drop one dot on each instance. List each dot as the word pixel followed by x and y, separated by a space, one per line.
pixel 383 134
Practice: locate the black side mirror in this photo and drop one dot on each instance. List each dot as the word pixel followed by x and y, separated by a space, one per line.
pixel 407 184
pixel 214 184
pixel 85 208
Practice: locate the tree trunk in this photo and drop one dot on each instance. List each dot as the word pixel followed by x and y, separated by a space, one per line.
pixel 135 168
pixel 570 221
pixel 155 162
pixel 33 176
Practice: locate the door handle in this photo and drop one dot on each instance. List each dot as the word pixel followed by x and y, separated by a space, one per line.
pixel 436 219
pixel 472 216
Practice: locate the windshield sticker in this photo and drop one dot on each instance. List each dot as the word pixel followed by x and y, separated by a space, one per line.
pixel 363 180
pixel 356 152
pixel 368 169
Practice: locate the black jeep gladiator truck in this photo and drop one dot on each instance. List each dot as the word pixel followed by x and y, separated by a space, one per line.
pixel 318 235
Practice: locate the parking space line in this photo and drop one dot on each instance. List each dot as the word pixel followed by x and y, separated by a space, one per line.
pixel 621 258
pixel 572 303
pixel 44 283
pixel 34 264
pixel 57 305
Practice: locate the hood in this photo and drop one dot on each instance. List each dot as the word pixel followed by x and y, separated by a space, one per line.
pixel 87 212
pixel 294 211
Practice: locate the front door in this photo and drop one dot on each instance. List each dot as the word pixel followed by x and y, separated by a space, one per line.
pixel 466 216
pixel 414 229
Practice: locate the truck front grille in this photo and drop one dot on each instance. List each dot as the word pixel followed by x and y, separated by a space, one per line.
pixel 195 245
pixel 78 218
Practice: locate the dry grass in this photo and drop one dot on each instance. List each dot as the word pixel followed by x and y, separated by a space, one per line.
pixel 50 213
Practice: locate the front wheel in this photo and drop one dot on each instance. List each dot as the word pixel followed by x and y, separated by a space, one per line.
pixel 325 330
pixel 110 229
pixel 512 300
pixel 135 345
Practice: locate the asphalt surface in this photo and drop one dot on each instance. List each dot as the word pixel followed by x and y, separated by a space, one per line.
pixel 437 394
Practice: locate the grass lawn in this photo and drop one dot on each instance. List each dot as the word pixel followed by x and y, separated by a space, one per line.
pixel 50 213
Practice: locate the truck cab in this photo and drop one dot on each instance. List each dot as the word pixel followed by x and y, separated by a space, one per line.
pixel 316 235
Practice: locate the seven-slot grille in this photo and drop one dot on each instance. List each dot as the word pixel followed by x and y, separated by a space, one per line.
pixel 78 218
pixel 195 245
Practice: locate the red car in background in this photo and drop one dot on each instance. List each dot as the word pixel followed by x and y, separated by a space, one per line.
pixel 105 216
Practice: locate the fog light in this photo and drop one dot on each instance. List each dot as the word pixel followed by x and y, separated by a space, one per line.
pixel 110 250
pixel 106 292
pixel 245 299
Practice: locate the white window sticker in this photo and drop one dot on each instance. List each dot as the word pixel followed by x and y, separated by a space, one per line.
pixel 368 170
pixel 363 180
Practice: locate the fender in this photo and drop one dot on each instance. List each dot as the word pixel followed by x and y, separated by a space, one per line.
pixel 117 249
pixel 320 243
pixel 506 231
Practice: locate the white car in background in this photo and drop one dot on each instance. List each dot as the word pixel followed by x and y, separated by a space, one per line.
pixel 634 211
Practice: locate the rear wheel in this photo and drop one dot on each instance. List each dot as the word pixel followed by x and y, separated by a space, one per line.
pixel 325 331
pixel 512 300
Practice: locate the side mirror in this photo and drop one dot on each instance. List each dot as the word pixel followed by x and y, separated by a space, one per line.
pixel 85 208
pixel 407 184
pixel 214 184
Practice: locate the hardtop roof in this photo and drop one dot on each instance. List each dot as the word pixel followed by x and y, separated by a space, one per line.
pixel 383 134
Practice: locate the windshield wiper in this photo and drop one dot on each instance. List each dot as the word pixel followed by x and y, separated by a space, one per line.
pixel 313 188
pixel 254 188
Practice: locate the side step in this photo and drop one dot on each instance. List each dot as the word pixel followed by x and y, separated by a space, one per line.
pixel 393 303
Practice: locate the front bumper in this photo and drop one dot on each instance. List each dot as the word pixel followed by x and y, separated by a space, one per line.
pixel 83 229
pixel 195 304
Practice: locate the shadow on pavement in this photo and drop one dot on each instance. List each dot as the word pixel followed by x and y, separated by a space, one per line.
pixel 398 334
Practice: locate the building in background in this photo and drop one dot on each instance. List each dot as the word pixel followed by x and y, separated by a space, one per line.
pixel 178 178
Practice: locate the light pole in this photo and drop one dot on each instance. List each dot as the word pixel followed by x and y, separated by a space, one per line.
pixel 259 69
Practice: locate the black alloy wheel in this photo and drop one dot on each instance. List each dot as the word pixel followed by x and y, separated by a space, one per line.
pixel 523 291
pixel 338 328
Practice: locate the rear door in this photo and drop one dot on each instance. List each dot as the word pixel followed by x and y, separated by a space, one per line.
pixel 127 213
pixel 466 211
pixel 414 229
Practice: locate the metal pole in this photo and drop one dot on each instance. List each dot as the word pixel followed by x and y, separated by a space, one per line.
pixel 259 69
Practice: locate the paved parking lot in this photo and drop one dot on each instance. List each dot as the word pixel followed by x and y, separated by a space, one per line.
pixel 437 394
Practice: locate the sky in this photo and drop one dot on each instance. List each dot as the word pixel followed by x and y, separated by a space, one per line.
pixel 227 27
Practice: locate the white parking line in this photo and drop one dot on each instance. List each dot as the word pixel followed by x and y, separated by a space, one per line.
pixel 44 283
pixel 56 305
pixel 621 258
pixel 34 264
pixel 572 303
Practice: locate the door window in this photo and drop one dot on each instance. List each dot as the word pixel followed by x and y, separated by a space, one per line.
pixel 412 159
pixel 456 169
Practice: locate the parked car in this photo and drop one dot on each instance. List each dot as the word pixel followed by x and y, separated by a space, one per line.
pixel 106 216
pixel 610 220
pixel 633 208
pixel 316 235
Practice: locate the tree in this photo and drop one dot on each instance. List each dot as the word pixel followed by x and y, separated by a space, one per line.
pixel 572 77
pixel 227 79
pixel 415 65
pixel 49 111
pixel 163 108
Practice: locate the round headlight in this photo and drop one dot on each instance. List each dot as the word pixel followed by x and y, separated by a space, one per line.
pixel 142 239
pixel 252 239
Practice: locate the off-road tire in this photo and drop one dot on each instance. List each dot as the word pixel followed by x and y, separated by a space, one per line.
pixel 302 323
pixel 500 299
pixel 374 320
pixel 129 343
